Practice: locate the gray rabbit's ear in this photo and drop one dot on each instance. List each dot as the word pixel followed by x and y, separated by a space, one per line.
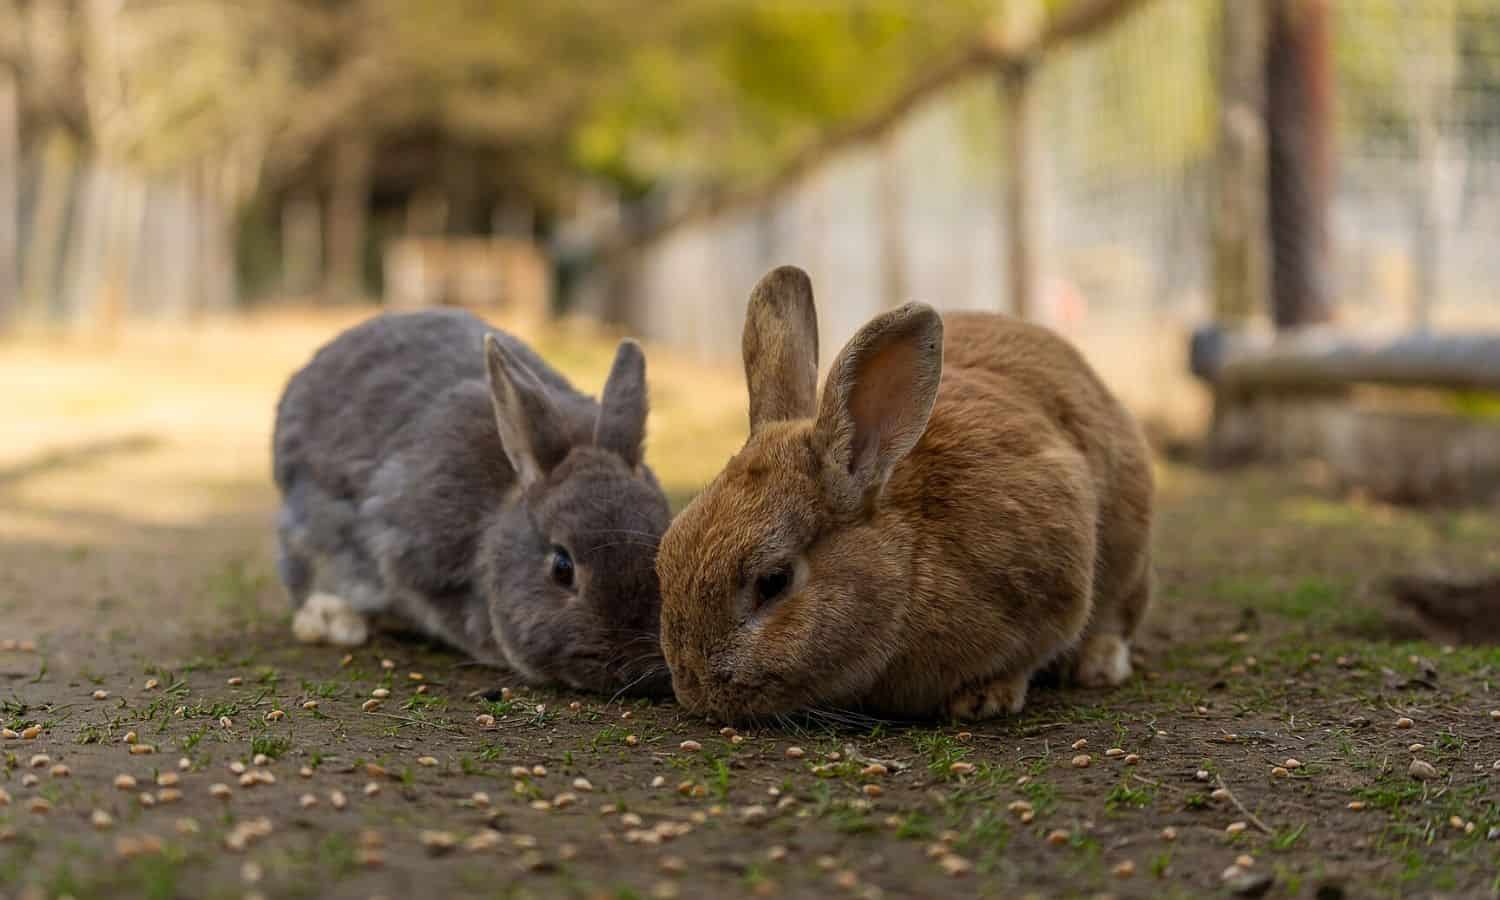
pixel 533 438
pixel 877 400
pixel 780 346
pixel 621 426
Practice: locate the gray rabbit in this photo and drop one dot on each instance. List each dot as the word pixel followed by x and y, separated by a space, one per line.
pixel 436 469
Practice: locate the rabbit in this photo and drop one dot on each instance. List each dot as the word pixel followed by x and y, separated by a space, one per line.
pixel 965 506
pixel 438 471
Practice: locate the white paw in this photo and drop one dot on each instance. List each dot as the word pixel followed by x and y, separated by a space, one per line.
pixel 1104 661
pixel 329 619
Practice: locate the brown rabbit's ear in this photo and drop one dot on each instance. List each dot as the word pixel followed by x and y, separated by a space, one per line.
pixel 876 401
pixel 780 346
pixel 533 438
pixel 621 426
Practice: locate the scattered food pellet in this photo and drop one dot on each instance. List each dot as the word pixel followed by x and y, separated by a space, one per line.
pixel 305 772
pixel 582 784
pixel 1057 837
pixel 225 722
pixel 100 695
pixel 370 705
pixel 690 746
pixel 428 761
pixel 237 767
pixel 1080 743
pixel 380 693
pixel 260 759
pixel 4 797
pixel 167 779
pixel 372 788
pixel 31 733
pixel 1219 794
pixel 659 781
pixel 348 658
pixel 168 795
pixel 146 799
pixel 152 684
pixel 480 799
pixel 60 771
pixel 1292 763
pixel 1169 833
pixel 142 749
pixel 1244 860
pixel 872 790
pixel 183 764
pixel 873 770
pixel 631 740
pixel 539 770
pixel 8 734
pixel 30 780
pixel 40 761
pixel 1124 869
pixel 125 782
pixel 388 664
pixel 101 819
pixel 1356 805
pixel 309 704
pixel 438 841
pixel 1113 752
pixel 955 865
pixel 1416 748
pixel 1279 772
pixel 220 790
pixel 1421 770
pixel 795 753
pixel 1081 761
pixel 1495 714
pixel 575 706
pixel 39 805
pixel 235 681
pixel 337 800
pixel 1404 722
pixel 1132 759
pixel 1201 775
pixel 307 801
pixel 484 720
pixel 1235 828
pixel 962 768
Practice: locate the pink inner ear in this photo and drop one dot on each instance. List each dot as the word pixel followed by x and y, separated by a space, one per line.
pixel 882 403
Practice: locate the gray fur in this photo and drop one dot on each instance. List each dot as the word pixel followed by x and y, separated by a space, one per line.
pixel 400 496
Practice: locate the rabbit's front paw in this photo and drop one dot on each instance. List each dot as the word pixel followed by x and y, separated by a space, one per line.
pixel 1103 661
pixel 1003 695
pixel 328 618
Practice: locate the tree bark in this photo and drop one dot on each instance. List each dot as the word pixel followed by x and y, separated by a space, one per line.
pixel 301 242
pixel 348 214
pixel 1299 100
pixel 47 226
pixel 1240 252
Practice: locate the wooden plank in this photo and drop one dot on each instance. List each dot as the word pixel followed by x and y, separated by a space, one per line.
pixel 1324 360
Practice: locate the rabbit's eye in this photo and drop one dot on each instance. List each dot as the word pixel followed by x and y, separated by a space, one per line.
pixel 562 567
pixel 769 587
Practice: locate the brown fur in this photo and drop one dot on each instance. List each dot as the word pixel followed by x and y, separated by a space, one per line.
pixel 970 505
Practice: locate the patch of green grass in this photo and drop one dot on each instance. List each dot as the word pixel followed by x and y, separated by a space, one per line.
pixel 1287 838
pixel 1126 794
pixel 271 746
pixel 942 751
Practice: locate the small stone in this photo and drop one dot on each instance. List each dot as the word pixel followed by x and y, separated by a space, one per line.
pixel 260 759
pixel 1018 807
pixel 736 739
pixel 100 695
pixel 1057 837
pixel 482 841
pixel 673 864
pixel 1123 869
pixel 1495 714
pixel 4 797
pixel 690 746
pixel 125 782
pixel 101 820
pixel 795 753
pixel 186 826
pixel 777 853
pixel 1235 828
pixel 167 779
pixel 1404 722
pixel 307 801
pixel 1421 770
pixel 1082 761
pixel 369 857
pixel 347 659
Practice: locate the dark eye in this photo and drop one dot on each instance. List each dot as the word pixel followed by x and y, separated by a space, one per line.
pixel 562 567
pixel 769 587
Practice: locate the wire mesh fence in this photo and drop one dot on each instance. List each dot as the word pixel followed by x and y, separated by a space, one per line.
pixel 1125 143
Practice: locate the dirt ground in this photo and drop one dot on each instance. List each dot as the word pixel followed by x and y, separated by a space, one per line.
pixel 1272 726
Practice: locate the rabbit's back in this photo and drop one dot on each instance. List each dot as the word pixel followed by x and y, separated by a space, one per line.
pixel 362 393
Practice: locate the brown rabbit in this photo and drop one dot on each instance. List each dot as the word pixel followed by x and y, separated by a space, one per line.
pixel 953 516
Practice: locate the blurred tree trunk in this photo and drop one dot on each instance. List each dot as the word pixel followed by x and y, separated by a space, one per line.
pixel 891 212
pixel 10 201
pixel 47 226
pixel 1240 253
pixel 301 242
pixel 348 217
pixel 1020 190
pixel 1299 99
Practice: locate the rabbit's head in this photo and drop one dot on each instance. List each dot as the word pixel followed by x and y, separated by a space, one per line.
pixel 568 562
pixel 780 589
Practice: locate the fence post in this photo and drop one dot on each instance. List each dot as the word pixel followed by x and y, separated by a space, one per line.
pixel 10 204
pixel 1020 188
pixel 1240 255
pixel 1299 96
